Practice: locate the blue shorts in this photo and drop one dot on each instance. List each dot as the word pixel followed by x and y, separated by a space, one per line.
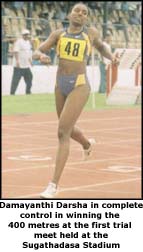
pixel 67 83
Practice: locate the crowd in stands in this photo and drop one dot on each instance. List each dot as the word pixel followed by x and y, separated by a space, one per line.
pixel 124 21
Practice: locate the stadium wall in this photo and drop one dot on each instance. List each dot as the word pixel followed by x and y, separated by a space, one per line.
pixel 44 79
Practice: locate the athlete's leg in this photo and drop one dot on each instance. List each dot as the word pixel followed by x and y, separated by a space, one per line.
pixel 78 136
pixel 60 101
pixel 72 108
pixel 76 133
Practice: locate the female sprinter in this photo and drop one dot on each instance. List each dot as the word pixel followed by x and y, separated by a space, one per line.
pixel 72 89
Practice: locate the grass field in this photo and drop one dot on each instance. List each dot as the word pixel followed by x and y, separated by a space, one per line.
pixel 41 103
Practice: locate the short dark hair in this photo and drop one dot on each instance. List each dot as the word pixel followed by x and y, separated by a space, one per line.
pixel 82 4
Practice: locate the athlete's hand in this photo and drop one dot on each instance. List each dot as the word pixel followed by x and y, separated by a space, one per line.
pixel 45 59
pixel 115 60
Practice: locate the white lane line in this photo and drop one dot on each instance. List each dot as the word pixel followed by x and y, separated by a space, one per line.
pixel 31 134
pixel 30 158
pixel 100 184
pixel 79 121
pixel 72 163
pixel 23 186
pixel 107 191
pixel 54 147
pixel 77 188
pixel 113 129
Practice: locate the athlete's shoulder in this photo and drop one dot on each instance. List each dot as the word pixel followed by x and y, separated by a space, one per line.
pixel 93 33
pixel 93 30
pixel 57 33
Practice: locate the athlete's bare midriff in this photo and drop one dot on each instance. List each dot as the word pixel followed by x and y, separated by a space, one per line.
pixel 67 67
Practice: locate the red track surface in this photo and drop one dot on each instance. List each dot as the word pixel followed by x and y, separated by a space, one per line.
pixel 114 170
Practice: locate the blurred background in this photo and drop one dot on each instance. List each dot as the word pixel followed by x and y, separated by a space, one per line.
pixel 121 19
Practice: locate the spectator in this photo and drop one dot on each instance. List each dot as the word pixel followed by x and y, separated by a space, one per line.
pixel 139 12
pixel 18 5
pixel 65 6
pixel 117 7
pixel 125 7
pixel 99 7
pixel 110 7
pixel 121 25
pixel 5 45
pixel 134 19
pixel 139 9
pixel 6 9
pixel 91 5
pixel 3 9
pixel 44 23
pixel 60 13
pixel 109 26
pixel 50 10
pixel 36 43
pixel 6 40
pixel 22 60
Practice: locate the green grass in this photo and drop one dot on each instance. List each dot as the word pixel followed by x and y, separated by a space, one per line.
pixel 41 103
pixel 28 104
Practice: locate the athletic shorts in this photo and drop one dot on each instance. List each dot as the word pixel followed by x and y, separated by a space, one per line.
pixel 67 83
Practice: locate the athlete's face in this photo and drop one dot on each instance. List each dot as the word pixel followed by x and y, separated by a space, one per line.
pixel 79 14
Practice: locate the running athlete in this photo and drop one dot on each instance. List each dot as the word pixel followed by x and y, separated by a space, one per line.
pixel 72 88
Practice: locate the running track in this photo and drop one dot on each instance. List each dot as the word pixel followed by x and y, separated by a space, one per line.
pixel 29 144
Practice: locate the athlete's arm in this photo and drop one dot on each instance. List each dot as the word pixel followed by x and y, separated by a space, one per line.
pixel 40 53
pixel 99 45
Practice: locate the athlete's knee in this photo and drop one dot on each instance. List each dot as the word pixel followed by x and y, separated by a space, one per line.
pixel 76 132
pixel 63 134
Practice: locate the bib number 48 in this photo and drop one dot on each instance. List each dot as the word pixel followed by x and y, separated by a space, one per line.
pixel 74 51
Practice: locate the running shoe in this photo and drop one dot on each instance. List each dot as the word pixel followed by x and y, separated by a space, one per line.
pixel 50 191
pixel 87 152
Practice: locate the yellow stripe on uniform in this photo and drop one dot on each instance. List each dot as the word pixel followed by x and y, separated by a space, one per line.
pixel 58 44
pixel 80 80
